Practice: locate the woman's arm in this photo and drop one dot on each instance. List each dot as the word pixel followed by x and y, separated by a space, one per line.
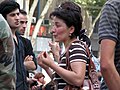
pixel 74 77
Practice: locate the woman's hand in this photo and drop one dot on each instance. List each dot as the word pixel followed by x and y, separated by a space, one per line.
pixel 55 48
pixel 44 60
pixel 40 63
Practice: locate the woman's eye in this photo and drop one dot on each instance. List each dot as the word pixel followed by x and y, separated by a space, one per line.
pixel 57 24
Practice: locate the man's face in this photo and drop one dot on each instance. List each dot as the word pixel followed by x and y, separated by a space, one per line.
pixel 13 19
pixel 23 23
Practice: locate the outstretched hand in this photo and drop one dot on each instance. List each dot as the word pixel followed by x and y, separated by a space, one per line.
pixel 44 60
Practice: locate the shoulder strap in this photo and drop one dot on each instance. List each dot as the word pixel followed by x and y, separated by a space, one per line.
pixel 67 60
pixel 91 64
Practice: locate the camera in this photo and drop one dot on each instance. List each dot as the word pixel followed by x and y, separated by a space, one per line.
pixel 34 84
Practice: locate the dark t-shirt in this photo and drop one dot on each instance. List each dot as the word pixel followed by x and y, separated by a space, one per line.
pixel 21 81
pixel 28 48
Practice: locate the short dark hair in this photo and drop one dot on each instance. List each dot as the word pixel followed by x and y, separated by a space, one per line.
pixel 39 75
pixel 23 12
pixel 8 6
pixel 70 13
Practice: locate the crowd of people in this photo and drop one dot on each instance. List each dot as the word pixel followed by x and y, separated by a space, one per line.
pixel 17 57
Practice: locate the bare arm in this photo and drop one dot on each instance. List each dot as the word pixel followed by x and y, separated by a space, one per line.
pixel 108 69
pixel 74 77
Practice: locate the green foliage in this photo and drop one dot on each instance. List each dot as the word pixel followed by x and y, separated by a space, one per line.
pixel 93 6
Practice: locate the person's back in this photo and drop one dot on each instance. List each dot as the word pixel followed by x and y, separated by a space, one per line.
pixel 7 57
pixel 109 38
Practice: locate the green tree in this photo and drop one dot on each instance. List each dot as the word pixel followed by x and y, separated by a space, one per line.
pixel 93 6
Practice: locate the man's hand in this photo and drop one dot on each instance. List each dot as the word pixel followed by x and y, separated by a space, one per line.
pixel 29 63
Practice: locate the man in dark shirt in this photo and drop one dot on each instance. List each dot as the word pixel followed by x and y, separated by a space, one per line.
pixel 109 39
pixel 30 60
pixel 10 11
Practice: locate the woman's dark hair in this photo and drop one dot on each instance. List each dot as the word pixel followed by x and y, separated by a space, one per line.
pixel 8 6
pixel 70 13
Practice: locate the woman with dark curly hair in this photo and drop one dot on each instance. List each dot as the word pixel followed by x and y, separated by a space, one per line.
pixel 67 24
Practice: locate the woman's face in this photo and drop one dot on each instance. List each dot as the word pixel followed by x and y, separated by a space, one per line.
pixel 59 30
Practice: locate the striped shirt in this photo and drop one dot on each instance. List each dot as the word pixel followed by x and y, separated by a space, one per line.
pixel 109 27
pixel 77 53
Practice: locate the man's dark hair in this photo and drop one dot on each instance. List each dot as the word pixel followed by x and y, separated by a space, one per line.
pixel 8 6
pixel 23 12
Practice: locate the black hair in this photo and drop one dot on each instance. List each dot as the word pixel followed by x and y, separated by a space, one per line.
pixel 83 37
pixel 23 12
pixel 70 13
pixel 8 6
